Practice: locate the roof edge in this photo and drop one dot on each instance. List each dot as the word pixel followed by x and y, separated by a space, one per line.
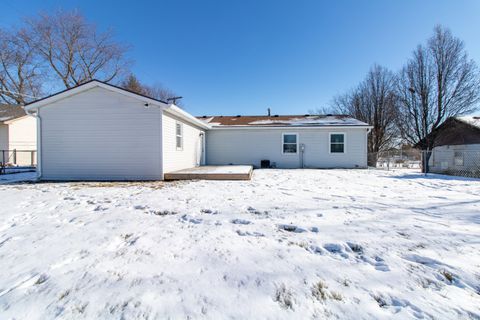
pixel 84 87
pixel 186 116
pixel 339 126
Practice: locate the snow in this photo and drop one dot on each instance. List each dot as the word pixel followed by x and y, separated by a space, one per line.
pixel 474 121
pixel 232 169
pixel 289 244
pixel 313 120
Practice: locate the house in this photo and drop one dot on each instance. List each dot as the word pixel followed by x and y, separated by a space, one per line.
pixel 98 131
pixel 295 141
pixel 18 135
pixel 457 147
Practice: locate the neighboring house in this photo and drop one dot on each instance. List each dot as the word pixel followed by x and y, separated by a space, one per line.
pixel 97 131
pixel 457 146
pixel 18 135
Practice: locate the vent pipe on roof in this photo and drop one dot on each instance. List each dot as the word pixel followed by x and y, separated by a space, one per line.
pixel 268 111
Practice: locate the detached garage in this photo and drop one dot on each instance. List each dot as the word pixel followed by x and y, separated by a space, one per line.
pixel 97 131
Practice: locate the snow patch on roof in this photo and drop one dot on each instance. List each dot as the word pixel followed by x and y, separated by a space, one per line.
pixel 282 121
pixel 471 120
pixel 313 120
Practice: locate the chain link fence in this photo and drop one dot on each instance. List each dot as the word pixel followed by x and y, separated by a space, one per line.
pixel 12 161
pixel 396 159
pixel 452 161
pixel 443 160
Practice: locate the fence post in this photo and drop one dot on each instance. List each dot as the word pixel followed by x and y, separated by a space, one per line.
pixel 425 162
pixel 31 158
pixel 15 156
pixel 388 160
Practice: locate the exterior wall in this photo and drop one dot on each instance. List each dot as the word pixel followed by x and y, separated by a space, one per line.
pixel 191 153
pixel 23 134
pixel 100 135
pixel 443 158
pixel 3 137
pixel 250 146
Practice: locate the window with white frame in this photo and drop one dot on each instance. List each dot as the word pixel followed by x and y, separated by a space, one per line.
pixel 179 135
pixel 337 142
pixel 290 143
pixel 458 158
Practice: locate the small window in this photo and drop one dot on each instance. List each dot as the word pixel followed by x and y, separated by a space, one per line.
pixel 458 158
pixel 337 142
pixel 179 135
pixel 290 143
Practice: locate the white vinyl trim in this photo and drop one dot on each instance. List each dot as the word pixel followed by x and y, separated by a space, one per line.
pixel 283 143
pixel 330 143
pixel 87 86
pixel 178 124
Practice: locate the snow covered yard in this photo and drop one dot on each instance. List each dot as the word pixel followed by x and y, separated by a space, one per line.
pixel 288 244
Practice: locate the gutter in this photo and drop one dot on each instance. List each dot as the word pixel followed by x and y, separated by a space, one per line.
pixel 248 127
pixel 173 109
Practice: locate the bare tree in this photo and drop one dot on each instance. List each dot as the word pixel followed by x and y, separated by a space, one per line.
pixel 74 50
pixel 438 82
pixel 374 101
pixel 132 83
pixel 20 74
pixel 156 91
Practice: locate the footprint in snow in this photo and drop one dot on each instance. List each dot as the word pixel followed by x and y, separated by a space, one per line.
pixel 209 211
pixel 252 234
pixel 290 228
pixel 186 218
pixel 336 248
pixel 100 208
pixel 240 221
pixel 377 262
pixel 355 247
pixel 255 211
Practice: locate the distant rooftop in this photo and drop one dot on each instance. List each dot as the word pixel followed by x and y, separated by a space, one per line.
pixel 471 120
pixel 283 120
pixel 10 112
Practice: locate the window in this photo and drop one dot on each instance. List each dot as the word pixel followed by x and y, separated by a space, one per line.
pixel 458 158
pixel 290 143
pixel 179 135
pixel 337 143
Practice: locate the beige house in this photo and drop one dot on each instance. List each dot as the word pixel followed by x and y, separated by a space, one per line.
pixel 18 136
pixel 98 131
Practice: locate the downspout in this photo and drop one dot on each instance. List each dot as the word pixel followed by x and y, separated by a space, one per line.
pixel 39 143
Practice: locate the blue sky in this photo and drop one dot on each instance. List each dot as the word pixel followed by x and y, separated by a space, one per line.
pixel 240 57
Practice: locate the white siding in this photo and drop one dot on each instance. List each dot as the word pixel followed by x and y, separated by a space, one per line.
pixel 3 137
pixel 250 146
pixel 23 133
pixel 100 135
pixel 191 153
